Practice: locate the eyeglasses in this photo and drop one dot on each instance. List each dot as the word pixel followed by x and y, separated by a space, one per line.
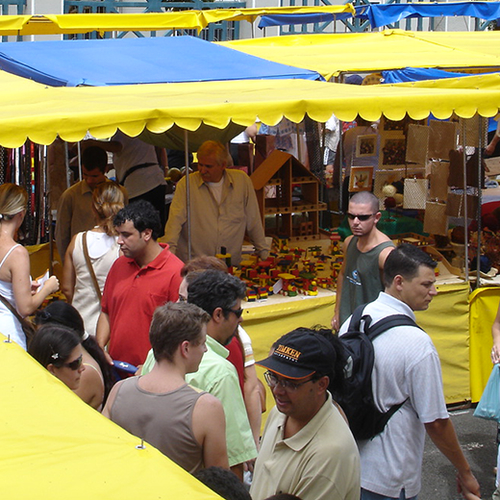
pixel 236 312
pixel 361 218
pixel 272 381
pixel 75 364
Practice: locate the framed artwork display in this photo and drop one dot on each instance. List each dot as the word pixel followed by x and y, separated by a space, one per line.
pixel 366 145
pixel 361 179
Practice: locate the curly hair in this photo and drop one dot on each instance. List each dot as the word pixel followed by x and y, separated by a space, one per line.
pixel 107 200
pixel 142 215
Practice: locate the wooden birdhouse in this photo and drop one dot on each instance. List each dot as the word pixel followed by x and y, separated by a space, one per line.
pixel 288 196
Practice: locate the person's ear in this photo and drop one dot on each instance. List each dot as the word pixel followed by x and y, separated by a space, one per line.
pixel 398 281
pixel 184 348
pixel 147 234
pixel 51 368
pixel 323 383
pixel 218 315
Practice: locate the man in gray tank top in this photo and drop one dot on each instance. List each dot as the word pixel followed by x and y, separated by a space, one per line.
pixel 359 280
pixel 184 423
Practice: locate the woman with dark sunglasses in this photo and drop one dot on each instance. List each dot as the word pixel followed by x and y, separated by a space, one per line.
pixel 59 349
pixel 98 379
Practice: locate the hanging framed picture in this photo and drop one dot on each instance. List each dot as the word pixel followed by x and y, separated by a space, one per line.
pixel 392 152
pixel 361 179
pixel 366 145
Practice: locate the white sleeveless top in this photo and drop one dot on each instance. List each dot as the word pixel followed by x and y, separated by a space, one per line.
pixel 103 251
pixel 9 325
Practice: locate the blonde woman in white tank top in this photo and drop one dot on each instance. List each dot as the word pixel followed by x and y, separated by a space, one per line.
pixel 15 281
pixel 77 282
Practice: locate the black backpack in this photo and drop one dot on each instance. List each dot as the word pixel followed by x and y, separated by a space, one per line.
pixel 356 397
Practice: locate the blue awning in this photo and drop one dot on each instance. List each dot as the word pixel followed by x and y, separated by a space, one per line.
pixel 382 15
pixel 288 19
pixel 137 61
pixel 418 74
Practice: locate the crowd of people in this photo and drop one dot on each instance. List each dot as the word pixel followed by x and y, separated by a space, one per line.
pixel 196 395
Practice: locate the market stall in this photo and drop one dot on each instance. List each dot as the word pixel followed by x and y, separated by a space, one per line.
pixel 46 112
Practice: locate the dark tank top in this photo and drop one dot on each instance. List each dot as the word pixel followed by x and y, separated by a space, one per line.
pixel 362 282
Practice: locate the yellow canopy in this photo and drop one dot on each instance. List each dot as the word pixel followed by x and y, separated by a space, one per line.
pixel 31 110
pixel 50 24
pixel 331 54
pixel 55 446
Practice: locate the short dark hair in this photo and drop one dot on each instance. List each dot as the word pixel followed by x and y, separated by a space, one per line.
pixel 142 214
pixel 52 344
pixel 95 157
pixel 213 289
pixel 172 324
pixel 366 197
pixel 406 260
pixel 224 482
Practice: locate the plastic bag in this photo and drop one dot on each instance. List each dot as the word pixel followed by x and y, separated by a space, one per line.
pixel 489 404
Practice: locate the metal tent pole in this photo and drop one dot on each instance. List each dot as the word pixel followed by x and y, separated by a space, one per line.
pixel 188 193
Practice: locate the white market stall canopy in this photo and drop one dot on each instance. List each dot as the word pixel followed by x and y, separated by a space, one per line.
pixel 40 113
pixel 332 54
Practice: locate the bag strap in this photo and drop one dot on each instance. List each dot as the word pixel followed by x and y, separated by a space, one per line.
pixel 133 169
pixel 389 322
pixel 357 316
pixel 11 308
pixel 89 265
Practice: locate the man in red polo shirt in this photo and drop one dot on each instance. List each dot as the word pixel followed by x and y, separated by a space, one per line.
pixel 145 277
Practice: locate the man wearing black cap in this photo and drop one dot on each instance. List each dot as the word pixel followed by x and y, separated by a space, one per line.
pixel 307 448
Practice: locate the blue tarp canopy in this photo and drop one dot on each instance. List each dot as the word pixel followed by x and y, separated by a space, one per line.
pixel 137 61
pixel 421 74
pixel 288 19
pixel 382 15
pixel 418 74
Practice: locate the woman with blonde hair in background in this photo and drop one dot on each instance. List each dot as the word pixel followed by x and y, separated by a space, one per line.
pixel 16 287
pixel 91 254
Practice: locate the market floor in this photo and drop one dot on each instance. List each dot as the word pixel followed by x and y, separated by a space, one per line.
pixel 478 440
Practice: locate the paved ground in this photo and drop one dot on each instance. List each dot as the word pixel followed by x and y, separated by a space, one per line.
pixel 478 440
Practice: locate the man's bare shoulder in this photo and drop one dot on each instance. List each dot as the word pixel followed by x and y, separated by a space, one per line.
pixel 380 237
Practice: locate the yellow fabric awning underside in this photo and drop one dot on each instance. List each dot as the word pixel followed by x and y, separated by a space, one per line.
pixel 51 24
pixel 55 446
pixel 40 113
pixel 332 54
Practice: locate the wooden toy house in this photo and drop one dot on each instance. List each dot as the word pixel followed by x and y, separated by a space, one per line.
pixel 288 196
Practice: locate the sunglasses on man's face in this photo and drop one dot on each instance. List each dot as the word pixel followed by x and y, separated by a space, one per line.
pixel 362 218
pixel 75 364
pixel 236 312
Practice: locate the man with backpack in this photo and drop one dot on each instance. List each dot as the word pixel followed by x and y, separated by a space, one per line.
pixel 407 372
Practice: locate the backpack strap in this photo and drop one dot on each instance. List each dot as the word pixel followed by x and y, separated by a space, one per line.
pixel 389 322
pixel 357 316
